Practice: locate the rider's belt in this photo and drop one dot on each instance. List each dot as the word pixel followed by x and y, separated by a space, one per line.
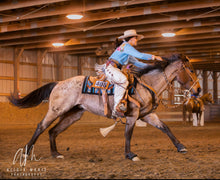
pixel 114 63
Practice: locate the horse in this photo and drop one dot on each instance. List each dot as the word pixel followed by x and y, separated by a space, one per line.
pixel 66 101
pixel 196 105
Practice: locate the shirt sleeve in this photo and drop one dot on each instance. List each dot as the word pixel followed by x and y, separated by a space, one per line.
pixel 130 50
pixel 137 63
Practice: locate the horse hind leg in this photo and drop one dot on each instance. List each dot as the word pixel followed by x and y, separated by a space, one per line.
pixel 198 118
pixel 41 127
pixel 190 116
pixel 65 121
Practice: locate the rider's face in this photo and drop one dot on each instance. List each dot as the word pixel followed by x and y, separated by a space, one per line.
pixel 133 41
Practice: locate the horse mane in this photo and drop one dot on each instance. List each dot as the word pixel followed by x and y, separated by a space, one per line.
pixel 159 65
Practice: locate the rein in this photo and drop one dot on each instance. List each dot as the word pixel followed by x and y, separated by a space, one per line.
pixel 152 92
pixel 187 91
pixel 195 81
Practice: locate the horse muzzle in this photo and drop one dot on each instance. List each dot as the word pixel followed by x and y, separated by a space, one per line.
pixel 196 90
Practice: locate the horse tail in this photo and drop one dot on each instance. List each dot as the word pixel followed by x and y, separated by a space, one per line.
pixel 34 98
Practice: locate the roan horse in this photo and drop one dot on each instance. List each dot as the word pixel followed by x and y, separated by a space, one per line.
pixel 192 105
pixel 67 102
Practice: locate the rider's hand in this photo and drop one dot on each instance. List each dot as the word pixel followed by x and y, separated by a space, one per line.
pixel 158 58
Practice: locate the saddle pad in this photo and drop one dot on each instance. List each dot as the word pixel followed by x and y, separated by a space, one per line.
pixel 88 89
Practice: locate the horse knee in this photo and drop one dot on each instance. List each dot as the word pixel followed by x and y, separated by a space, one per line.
pixel 50 132
pixel 164 128
pixel 40 128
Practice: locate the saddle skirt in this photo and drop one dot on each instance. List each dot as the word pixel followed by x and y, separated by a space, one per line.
pixel 95 85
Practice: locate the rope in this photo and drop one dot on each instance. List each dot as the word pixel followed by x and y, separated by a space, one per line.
pixel 32 11
pixel 89 28
pixel 203 14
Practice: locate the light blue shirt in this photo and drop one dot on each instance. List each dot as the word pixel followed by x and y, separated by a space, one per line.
pixel 126 53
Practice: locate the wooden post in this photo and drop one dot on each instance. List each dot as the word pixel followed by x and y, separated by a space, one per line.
pixel 40 56
pixel 205 82
pixel 79 65
pixel 171 95
pixel 60 61
pixel 17 56
pixel 215 87
pixel 99 60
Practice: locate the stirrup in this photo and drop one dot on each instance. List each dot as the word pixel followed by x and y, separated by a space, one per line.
pixel 122 106
pixel 116 114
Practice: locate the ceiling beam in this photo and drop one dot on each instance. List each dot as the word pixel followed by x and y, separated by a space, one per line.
pixel 140 25
pixel 147 10
pixel 173 49
pixel 4 6
pixel 153 46
pixel 109 39
pixel 214 49
pixel 72 7
pixel 142 29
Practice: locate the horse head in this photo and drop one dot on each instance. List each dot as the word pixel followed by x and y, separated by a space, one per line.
pixel 174 67
pixel 208 98
pixel 185 73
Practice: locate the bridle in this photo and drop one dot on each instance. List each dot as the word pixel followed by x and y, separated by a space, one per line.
pixel 169 84
pixel 183 67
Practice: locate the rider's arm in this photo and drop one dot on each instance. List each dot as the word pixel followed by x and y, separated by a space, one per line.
pixel 133 60
pixel 130 50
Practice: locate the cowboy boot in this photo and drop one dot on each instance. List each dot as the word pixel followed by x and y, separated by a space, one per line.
pixel 116 114
pixel 122 106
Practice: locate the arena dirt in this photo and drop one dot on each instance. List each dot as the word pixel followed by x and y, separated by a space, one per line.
pixel 88 155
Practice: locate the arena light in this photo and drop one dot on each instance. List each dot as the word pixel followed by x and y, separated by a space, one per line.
pixel 58 44
pixel 74 16
pixel 168 34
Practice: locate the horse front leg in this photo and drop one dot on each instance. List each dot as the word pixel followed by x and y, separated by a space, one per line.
pixel 129 127
pixel 153 119
pixel 190 116
pixel 184 113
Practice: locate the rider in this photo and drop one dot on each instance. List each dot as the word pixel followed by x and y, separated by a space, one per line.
pixel 124 53
pixel 196 98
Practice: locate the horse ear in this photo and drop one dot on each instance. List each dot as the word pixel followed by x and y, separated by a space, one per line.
pixel 183 57
pixel 169 57
pixel 187 58
pixel 179 56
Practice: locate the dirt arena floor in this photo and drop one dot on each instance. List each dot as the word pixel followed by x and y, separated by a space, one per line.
pixel 88 155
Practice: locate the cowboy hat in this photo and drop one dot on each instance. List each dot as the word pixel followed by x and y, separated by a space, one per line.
pixel 130 33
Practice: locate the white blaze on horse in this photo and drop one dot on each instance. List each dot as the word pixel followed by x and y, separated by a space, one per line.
pixel 196 106
pixel 67 102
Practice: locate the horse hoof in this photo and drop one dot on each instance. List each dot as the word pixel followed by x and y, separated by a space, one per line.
pixel 60 157
pixel 184 150
pixel 135 158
